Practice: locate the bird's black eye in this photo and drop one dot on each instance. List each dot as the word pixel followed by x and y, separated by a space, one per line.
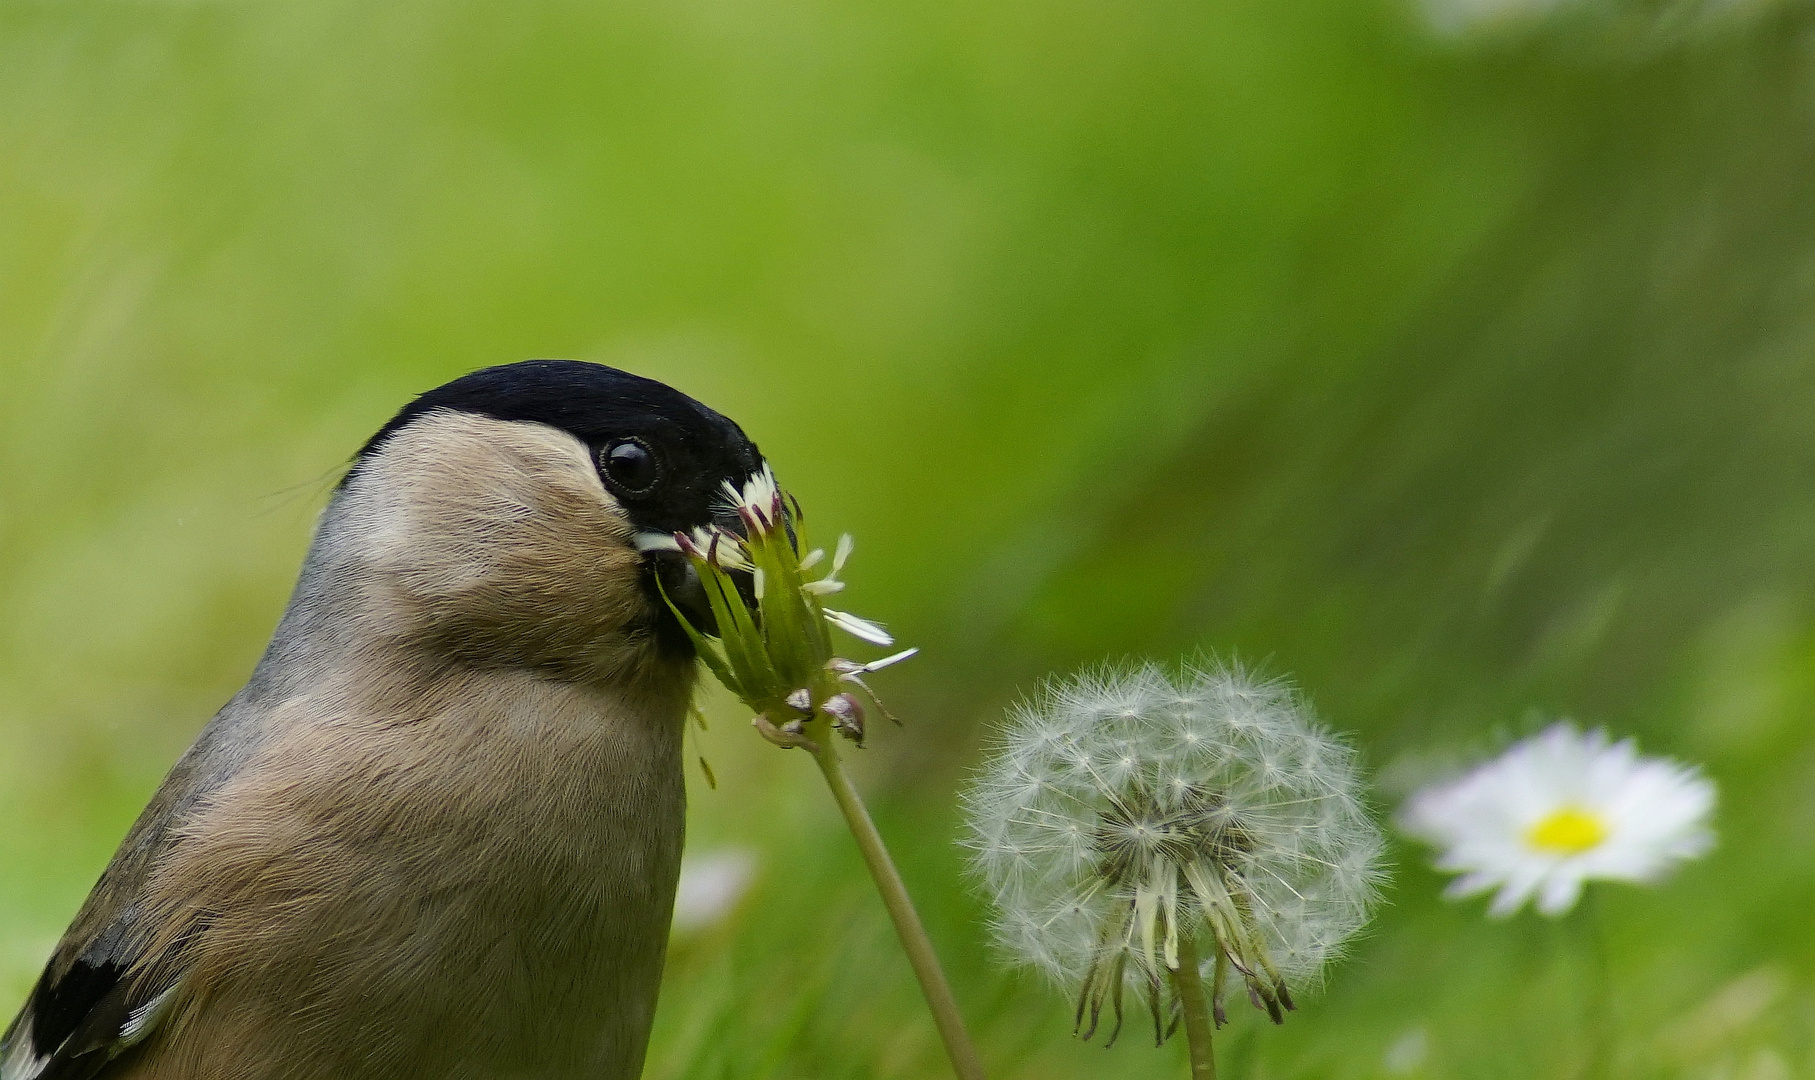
pixel 630 467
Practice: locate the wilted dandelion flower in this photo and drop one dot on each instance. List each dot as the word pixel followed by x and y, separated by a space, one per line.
pixel 1128 823
pixel 1558 809
pixel 770 644
pixel 773 649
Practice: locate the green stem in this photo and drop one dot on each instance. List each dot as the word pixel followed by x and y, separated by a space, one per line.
pixel 1189 982
pixel 919 948
pixel 1599 1011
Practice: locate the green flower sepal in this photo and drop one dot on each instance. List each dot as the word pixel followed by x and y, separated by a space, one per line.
pixel 774 645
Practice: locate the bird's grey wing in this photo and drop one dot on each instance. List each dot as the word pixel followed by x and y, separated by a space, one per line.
pixel 96 998
pixel 101 994
pixel 73 1026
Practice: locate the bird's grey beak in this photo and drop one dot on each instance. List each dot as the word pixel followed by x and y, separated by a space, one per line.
pixel 680 582
pixel 731 522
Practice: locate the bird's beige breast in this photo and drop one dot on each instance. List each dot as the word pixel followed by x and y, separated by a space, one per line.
pixel 478 885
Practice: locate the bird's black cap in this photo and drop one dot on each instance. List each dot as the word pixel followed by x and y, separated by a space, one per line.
pixel 695 449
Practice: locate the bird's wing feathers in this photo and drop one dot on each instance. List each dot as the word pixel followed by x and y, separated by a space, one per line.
pixel 102 993
pixel 72 1027
pixel 85 1012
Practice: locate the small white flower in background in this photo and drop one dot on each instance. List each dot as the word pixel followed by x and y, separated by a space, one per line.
pixel 1455 18
pixel 1634 24
pixel 1408 1053
pixel 710 888
pixel 1558 809
pixel 1125 816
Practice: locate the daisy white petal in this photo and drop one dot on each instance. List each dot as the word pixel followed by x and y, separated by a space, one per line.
pixel 1471 885
pixel 1559 893
pixel 1512 896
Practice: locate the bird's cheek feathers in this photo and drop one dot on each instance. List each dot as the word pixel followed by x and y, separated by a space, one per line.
pixel 492 540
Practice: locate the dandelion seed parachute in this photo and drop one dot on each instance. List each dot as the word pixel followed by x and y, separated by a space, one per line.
pixel 1123 809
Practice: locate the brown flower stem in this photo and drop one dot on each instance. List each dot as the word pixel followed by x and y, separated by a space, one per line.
pixel 919 948
pixel 1189 982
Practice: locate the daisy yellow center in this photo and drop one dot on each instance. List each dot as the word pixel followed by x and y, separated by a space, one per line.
pixel 1567 830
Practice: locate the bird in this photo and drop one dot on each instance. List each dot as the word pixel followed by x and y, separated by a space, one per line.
pixel 438 831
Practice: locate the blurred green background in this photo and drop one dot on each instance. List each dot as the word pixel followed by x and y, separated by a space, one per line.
pixel 1459 362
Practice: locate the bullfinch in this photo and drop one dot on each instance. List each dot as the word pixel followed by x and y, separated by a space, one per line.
pixel 436 835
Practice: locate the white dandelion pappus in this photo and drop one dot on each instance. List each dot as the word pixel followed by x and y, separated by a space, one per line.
pixel 1123 811
pixel 1557 810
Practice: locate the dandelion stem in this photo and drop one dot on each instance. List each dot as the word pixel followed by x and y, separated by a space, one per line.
pixel 1190 984
pixel 919 948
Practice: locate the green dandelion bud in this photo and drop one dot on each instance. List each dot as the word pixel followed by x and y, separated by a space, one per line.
pixel 773 646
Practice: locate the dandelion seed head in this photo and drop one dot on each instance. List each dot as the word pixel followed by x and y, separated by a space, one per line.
pixel 1124 807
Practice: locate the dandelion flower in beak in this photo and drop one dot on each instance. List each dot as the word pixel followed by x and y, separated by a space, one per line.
pixel 1128 821
pixel 1557 810
pixel 777 655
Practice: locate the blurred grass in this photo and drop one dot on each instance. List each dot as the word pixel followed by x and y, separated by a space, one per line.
pixel 1460 379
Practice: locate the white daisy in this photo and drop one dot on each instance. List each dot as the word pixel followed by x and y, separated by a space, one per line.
pixel 710 888
pixel 1558 809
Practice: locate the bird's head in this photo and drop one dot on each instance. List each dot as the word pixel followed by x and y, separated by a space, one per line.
pixel 521 515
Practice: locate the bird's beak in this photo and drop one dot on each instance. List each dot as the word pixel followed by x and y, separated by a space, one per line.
pixel 680 582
